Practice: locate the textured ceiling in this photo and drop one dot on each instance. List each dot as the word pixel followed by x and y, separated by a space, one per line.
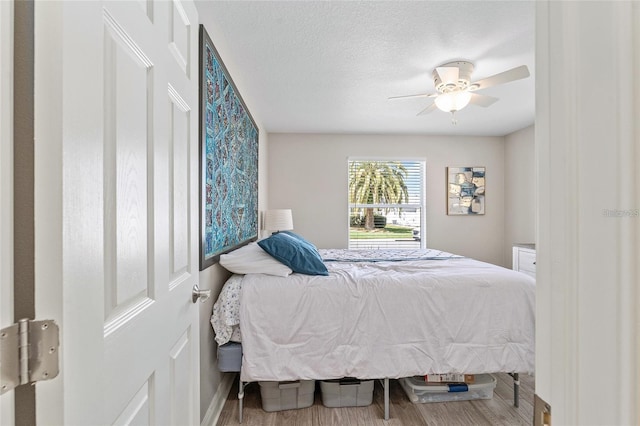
pixel 329 66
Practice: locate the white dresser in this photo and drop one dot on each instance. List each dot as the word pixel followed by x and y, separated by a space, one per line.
pixel 524 259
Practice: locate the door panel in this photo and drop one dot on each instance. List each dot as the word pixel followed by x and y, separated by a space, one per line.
pixel 128 195
pixel 127 117
pixel 180 37
pixel 180 383
pixel 138 411
pixel 179 145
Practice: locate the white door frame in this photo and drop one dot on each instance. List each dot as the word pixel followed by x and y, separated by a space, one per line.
pixel 588 242
pixel 6 187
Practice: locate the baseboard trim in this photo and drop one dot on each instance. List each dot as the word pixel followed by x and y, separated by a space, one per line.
pixel 220 397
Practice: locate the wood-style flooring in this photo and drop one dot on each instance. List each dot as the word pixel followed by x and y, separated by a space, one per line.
pixel 496 411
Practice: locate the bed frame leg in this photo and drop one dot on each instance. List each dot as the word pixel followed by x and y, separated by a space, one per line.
pixel 241 386
pixel 386 398
pixel 516 389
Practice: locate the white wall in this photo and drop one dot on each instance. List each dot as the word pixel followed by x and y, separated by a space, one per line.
pixel 308 173
pixel 519 189
pixel 587 139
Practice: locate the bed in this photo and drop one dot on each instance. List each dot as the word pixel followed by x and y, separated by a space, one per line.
pixel 380 314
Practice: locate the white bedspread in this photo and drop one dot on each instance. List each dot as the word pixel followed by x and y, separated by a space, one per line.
pixel 388 319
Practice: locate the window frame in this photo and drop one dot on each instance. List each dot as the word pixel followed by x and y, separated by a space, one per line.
pixel 422 192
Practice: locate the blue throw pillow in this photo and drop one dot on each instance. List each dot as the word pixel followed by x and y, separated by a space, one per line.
pixel 302 240
pixel 298 254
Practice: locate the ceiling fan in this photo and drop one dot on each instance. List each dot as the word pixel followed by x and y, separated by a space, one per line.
pixel 455 90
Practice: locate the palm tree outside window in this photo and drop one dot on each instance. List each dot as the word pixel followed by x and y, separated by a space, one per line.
pixel 386 203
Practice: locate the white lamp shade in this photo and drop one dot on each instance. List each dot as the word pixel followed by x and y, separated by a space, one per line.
pixel 453 101
pixel 278 220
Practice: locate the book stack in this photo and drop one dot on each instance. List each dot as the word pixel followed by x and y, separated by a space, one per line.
pixel 449 378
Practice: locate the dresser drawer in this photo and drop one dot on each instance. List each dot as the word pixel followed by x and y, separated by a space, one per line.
pixel 524 260
pixel 527 261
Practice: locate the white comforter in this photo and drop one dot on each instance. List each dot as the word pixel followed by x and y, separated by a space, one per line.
pixel 388 319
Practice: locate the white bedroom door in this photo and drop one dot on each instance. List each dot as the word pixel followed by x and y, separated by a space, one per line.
pixel 116 175
pixel 6 188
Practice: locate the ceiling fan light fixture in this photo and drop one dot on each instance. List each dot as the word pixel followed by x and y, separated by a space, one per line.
pixel 453 101
pixel 453 85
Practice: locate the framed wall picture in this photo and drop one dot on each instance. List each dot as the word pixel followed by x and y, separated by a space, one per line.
pixel 465 190
pixel 228 160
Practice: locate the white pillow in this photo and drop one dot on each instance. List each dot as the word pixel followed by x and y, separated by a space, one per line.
pixel 251 259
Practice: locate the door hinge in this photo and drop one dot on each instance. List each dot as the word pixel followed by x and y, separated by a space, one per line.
pixel 28 353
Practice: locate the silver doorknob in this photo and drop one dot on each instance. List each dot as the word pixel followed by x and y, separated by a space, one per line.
pixel 199 294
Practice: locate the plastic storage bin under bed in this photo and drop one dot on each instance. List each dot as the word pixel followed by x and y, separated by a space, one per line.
pixel 346 392
pixel 420 392
pixel 277 396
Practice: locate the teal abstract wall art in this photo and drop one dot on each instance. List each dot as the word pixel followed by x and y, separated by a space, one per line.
pixel 228 160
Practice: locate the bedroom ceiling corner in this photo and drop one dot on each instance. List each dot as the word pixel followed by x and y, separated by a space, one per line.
pixel 330 66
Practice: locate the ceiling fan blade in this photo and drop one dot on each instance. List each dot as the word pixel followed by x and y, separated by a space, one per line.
pixel 428 109
pixel 420 95
pixel 482 100
pixel 448 75
pixel 501 78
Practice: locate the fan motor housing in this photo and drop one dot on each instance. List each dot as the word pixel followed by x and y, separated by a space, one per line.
pixel 464 77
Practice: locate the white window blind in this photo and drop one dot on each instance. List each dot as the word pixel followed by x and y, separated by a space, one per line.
pixel 386 203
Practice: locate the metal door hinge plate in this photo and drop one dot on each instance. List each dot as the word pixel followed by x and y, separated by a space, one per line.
pixel 28 353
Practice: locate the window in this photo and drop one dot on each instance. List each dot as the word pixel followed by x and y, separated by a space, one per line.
pixel 386 204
